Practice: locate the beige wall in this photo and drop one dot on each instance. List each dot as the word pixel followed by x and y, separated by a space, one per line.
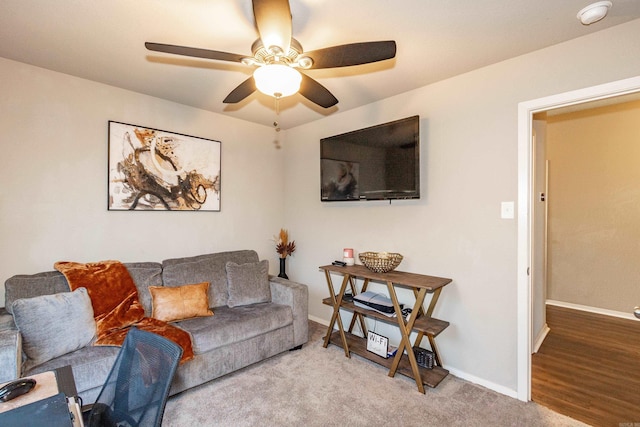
pixel 469 138
pixel 594 207
pixel 53 179
pixel 53 191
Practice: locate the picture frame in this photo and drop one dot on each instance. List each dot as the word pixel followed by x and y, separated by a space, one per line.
pixel 156 170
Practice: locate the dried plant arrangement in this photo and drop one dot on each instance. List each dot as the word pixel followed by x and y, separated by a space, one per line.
pixel 284 247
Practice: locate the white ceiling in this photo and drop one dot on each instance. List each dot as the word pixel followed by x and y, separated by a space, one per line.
pixel 104 41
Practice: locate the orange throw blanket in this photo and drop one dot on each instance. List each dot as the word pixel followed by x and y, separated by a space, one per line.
pixel 116 307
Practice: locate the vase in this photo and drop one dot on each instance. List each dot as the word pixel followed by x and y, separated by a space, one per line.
pixel 283 274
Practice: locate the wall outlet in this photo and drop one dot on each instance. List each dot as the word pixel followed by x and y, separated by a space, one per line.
pixel 507 210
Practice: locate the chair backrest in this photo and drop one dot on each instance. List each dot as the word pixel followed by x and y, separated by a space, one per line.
pixel 138 385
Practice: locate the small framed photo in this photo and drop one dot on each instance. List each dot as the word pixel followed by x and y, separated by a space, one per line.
pixel 156 170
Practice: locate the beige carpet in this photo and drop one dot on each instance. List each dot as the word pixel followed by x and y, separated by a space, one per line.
pixel 321 387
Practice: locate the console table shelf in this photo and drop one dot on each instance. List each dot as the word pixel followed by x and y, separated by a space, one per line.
pixel 358 345
pixel 420 320
pixel 428 325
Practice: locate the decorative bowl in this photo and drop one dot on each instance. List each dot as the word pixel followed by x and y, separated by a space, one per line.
pixel 380 262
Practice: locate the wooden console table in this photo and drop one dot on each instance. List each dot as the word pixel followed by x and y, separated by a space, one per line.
pixel 419 321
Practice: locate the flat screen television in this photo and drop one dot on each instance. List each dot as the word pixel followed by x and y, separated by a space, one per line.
pixel 376 163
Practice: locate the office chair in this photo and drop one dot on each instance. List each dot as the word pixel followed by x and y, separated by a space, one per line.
pixel 137 387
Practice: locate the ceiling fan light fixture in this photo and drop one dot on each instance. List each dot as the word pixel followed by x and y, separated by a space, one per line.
pixel 594 12
pixel 304 62
pixel 278 56
pixel 277 80
pixel 249 61
pixel 275 51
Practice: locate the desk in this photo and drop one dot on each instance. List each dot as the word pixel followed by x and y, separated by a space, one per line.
pixel 45 405
pixel 421 320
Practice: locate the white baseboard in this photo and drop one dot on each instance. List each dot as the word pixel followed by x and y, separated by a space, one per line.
pixel 595 310
pixel 482 382
pixel 319 320
pixel 540 338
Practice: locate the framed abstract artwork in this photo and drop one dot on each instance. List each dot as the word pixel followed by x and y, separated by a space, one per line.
pixel 156 170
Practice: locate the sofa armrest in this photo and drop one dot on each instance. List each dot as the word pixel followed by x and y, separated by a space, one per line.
pixel 6 320
pixel 295 295
pixel 10 354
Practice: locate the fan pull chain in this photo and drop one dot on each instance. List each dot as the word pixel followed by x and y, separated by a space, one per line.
pixel 276 125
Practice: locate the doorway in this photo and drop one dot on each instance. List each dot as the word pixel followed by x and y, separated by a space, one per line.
pixel 528 300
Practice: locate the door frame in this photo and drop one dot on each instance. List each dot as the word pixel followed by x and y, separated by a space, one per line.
pixel 525 207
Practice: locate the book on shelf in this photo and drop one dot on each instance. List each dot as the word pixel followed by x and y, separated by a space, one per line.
pixel 391 351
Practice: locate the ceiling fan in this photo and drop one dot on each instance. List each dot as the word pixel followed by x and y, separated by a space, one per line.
pixel 279 57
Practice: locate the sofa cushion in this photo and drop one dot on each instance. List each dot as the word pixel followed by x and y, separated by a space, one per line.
pixel 248 283
pixel 116 307
pixel 113 294
pixel 108 283
pixel 144 274
pixel 33 285
pixel 180 302
pixel 53 325
pixel 232 325
pixel 90 366
pixel 205 268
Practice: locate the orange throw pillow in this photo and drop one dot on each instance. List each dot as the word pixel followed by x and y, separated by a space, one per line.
pixel 180 302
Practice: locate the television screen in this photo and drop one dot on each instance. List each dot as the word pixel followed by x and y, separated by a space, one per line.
pixel 376 163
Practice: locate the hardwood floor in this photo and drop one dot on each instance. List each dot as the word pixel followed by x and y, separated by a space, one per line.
pixel 589 368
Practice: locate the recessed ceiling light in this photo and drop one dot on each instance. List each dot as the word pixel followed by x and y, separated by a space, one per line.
pixel 594 12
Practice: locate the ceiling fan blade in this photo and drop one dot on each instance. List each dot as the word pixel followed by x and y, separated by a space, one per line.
pixel 273 19
pixel 352 54
pixel 243 90
pixel 194 52
pixel 316 93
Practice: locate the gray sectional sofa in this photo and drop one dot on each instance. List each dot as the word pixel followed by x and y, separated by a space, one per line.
pixel 234 337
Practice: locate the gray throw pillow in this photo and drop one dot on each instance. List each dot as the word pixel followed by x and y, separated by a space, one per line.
pixel 248 283
pixel 53 325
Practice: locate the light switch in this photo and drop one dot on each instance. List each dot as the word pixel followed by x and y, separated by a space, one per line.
pixel 507 210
